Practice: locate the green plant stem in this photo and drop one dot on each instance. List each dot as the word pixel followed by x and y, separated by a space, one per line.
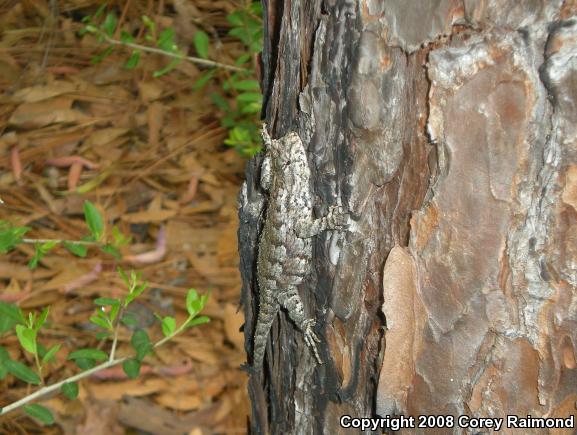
pixel 50 388
pixel 192 59
pixel 39 368
pixel 116 329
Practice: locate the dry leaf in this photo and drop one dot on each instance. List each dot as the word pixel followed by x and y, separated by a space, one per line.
pixel 148 216
pixel 150 90
pixel 233 321
pixel 115 390
pixel 40 93
pixel 155 114
pixel 105 136
pixel 34 115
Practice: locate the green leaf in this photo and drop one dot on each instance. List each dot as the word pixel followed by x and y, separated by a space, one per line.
pixel 235 19
pixel 220 102
pixel 22 372
pixel 123 275
pixel 148 23
pixel 70 390
pixel 129 319
pixel 168 326
pixel 166 41
pixel 76 249
pixel 256 9
pixel 10 315
pixel 10 236
pixel 97 59
pixel 133 60
pixel 41 320
pixel 249 97
pixel 126 37
pixel 88 28
pixel 100 11
pixel 255 47
pixel 204 299
pixel 85 363
pixel 41 350
pixel 134 277
pixel 194 303
pixel 102 335
pixel 191 300
pixel 109 24
pixel 102 322
pixel 228 122
pixel 203 80
pixel 197 321
pixel 240 33
pixel 201 41
pixel 93 183
pixel 132 368
pixel 113 312
pixel 252 108
pixel 242 59
pixel 166 69
pixel 246 85
pixel 27 338
pixel 49 356
pixel 4 356
pixel 119 238
pixel 36 258
pixel 241 134
pixel 141 343
pixel 111 250
pixel 94 220
pixel 226 85
pixel 94 354
pixel 254 26
pixel 39 412
pixel 47 246
pixel 135 293
pixel 106 302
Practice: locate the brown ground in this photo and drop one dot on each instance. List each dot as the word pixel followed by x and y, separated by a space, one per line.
pixel 160 163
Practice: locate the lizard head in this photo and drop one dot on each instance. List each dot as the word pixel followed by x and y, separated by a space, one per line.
pixel 285 159
pixel 286 150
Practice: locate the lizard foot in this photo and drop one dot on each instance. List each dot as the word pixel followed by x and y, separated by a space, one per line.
pixel 337 218
pixel 311 338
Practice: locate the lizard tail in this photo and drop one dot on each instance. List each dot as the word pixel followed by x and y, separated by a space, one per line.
pixel 264 321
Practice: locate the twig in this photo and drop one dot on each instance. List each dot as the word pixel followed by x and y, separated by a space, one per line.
pixel 56 386
pixel 192 59
pixel 50 388
pixel 74 242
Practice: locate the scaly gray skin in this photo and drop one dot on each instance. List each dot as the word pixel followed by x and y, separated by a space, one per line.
pixel 285 245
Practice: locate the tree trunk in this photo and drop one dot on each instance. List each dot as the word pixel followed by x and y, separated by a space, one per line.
pixel 448 128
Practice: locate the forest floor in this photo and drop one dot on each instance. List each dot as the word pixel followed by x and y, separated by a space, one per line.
pixel 149 153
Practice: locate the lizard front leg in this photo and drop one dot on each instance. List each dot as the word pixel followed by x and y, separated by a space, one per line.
pixel 290 300
pixel 336 219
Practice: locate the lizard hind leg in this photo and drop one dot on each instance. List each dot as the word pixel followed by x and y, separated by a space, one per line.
pixel 291 301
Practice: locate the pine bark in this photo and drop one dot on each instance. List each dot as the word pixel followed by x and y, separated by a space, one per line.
pixel 448 129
